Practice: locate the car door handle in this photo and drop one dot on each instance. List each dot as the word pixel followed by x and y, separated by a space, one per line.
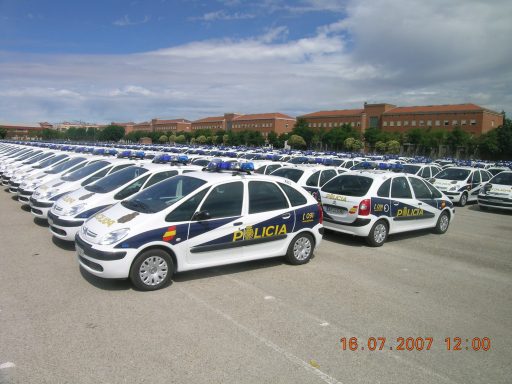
pixel 286 216
pixel 420 203
pixel 237 223
pixel 396 203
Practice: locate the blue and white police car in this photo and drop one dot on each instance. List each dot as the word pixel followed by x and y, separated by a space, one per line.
pixel 374 204
pixel 198 220
pixel 497 193
pixel 461 184
pixel 71 210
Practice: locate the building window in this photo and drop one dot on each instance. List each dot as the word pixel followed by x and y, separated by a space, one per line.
pixel 422 123
pixel 454 122
pixel 446 122
pixel 374 122
pixel 429 123
pixel 472 122
pixel 391 123
pixel 492 123
pixel 438 123
pixel 358 124
pixel 314 125
pixel 413 123
pixel 398 123
pixel 385 124
pixel 406 123
pixel 463 122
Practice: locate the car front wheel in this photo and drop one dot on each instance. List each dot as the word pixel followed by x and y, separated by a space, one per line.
pixel 463 199
pixel 152 270
pixel 442 223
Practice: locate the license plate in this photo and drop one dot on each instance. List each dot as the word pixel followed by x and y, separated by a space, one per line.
pixel 80 251
pixel 335 210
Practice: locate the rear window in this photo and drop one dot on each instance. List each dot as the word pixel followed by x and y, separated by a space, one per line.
pixel 503 178
pixel 349 185
pixel 292 174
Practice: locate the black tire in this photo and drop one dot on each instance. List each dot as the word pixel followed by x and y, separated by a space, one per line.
pixel 300 250
pixel 151 270
pixel 378 234
pixel 443 222
pixel 463 199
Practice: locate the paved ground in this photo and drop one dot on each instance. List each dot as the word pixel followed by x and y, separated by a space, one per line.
pixel 266 321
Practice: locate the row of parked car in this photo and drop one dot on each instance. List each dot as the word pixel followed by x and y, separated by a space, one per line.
pixel 145 215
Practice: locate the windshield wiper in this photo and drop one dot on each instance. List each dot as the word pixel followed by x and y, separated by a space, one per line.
pixel 137 206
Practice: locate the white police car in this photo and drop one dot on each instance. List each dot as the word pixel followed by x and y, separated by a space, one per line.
pixel 31 182
pixel 461 184
pixel 198 220
pixel 426 171
pixel 71 210
pixel 45 196
pixel 374 204
pixel 497 193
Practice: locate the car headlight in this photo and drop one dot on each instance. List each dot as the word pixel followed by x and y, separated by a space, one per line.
pixel 114 236
pixel 454 188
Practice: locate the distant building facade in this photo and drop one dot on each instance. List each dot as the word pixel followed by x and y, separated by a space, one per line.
pixel 472 118
pixel 24 131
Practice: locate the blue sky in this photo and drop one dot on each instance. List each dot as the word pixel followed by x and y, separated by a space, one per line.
pixel 102 61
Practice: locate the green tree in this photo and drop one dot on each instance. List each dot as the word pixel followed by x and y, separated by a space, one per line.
pixel 380 147
pixel 225 139
pixel 393 146
pixel 201 139
pixel 273 139
pixel 3 133
pixel 172 138
pixel 112 133
pixel 180 139
pixel 336 137
pixel 163 139
pixel 301 128
pixel 297 142
pixel 348 143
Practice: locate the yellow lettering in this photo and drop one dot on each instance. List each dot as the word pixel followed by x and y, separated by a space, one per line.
pixel 282 230
pixel 270 231
pixel 238 235
pixel 256 234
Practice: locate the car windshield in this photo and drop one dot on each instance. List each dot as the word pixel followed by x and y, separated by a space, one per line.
pixel 412 169
pixel 503 178
pixel 27 155
pixel 162 195
pixel 51 161
pixel 37 158
pixel 116 179
pixel 453 174
pixel 495 171
pixel 293 174
pixel 65 165
pixel 348 185
pixel 85 171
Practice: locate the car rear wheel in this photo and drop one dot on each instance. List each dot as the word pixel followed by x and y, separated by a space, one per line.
pixel 443 222
pixel 378 234
pixel 151 270
pixel 463 199
pixel 300 249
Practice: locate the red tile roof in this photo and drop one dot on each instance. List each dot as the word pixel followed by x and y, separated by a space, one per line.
pixel 335 113
pixel 171 121
pixel 261 116
pixel 210 119
pixel 435 109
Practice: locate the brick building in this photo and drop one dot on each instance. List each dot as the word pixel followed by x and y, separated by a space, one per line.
pixel 158 125
pixel 24 131
pixel 262 122
pixel 388 117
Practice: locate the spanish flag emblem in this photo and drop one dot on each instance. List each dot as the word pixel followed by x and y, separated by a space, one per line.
pixel 170 234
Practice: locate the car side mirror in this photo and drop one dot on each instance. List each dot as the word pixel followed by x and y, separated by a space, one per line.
pixel 487 187
pixel 201 216
pixel 432 180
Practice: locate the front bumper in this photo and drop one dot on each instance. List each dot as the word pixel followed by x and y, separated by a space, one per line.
pixel 40 209
pixel 491 201
pixel 103 261
pixel 63 229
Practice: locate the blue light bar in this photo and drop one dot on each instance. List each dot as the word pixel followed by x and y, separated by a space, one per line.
pixel 124 154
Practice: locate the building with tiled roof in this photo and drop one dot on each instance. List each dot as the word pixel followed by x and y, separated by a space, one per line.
pixel 24 130
pixel 262 122
pixel 388 117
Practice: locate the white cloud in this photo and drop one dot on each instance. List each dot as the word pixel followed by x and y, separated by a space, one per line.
pixel 403 52
pixel 125 21
pixel 222 15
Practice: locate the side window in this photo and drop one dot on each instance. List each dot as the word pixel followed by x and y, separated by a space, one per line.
pixel 260 170
pixel 296 198
pixel 476 177
pixel 131 189
pixel 186 210
pixel 421 191
pixel 326 176
pixel 384 189
pixel 425 172
pixel 96 177
pixel 265 196
pixel 225 200
pixel 271 168
pixel 156 178
pixel 435 171
pixel 435 193
pixel 400 188
pixel 485 176
pixel 312 180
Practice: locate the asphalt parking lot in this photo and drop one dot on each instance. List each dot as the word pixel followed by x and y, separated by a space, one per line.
pixel 264 321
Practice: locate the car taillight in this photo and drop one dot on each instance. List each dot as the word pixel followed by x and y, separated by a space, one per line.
pixel 320 214
pixel 364 207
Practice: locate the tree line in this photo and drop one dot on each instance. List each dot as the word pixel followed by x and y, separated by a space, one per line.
pixel 495 144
